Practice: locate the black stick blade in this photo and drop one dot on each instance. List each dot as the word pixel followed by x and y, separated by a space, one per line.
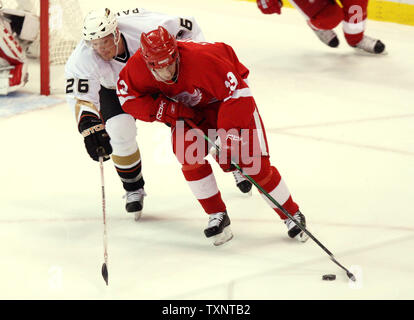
pixel 351 276
pixel 105 273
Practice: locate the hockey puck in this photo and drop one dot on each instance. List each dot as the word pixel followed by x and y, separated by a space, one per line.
pixel 329 277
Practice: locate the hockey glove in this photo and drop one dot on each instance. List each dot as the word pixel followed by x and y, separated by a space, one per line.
pixel 168 111
pixel 270 6
pixel 95 135
pixel 232 145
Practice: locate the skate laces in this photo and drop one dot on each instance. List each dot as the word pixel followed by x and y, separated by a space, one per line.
pixel 325 35
pixel 290 223
pixel 216 219
pixel 136 195
pixel 367 43
pixel 238 177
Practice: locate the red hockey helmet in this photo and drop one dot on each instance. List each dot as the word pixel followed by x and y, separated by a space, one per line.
pixel 159 48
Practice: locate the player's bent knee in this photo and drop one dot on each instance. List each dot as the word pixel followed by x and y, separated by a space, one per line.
pixel 328 18
pixel 123 132
pixel 122 127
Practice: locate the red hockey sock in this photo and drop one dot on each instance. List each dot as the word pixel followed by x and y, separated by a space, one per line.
pixel 203 184
pixel 270 180
pixel 355 15
pixel 353 39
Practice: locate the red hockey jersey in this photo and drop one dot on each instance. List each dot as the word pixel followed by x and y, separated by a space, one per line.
pixel 209 76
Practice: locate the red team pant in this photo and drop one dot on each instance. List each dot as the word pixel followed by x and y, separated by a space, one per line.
pixel 327 14
pixel 200 175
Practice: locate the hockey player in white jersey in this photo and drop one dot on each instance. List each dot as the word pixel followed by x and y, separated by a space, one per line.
pixel 109 39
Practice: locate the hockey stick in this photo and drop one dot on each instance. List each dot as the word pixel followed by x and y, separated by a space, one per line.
pixel 101 153
pixel 218 150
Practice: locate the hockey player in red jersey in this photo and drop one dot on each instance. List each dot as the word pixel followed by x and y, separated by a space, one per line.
pixel 168 80
pixel 323 16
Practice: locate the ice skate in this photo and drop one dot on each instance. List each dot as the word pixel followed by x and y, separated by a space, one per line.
pixel 371 45
pixel 328 37
pixel 135 202
pixel 218 228
pixel 242 183
pixel 293 230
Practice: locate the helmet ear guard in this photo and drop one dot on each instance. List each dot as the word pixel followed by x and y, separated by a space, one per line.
pixel 159 48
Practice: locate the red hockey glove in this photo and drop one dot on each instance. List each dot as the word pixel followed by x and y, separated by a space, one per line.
pixel 270 6
pixel 231 149
pixel 168 111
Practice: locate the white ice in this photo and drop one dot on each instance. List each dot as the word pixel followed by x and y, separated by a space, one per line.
pixel 340 129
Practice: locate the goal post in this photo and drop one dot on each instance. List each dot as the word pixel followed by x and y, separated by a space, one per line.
pixel 44 48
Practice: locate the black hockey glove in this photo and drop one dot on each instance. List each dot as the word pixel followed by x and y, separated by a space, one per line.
pixel 95 135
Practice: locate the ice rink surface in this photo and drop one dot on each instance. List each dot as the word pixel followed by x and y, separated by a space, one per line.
pixel 340 129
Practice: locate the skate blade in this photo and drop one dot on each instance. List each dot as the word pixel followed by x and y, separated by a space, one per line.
pixel 247 194
pixel 223 237
pixel 137 215
pixel 362 52
pixel 302 237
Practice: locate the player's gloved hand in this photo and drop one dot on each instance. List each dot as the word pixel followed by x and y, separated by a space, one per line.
pixel 232 145
pixel 270 6
pixel 95 135
pixel 168 111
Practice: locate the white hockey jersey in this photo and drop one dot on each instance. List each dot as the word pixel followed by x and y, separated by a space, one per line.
pixel 86 72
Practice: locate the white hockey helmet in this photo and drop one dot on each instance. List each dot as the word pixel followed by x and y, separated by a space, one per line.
pixel 98 24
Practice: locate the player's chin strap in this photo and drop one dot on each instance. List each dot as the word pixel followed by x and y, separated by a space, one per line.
pixel 174 78
pixel 218 150
pixel 116 41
